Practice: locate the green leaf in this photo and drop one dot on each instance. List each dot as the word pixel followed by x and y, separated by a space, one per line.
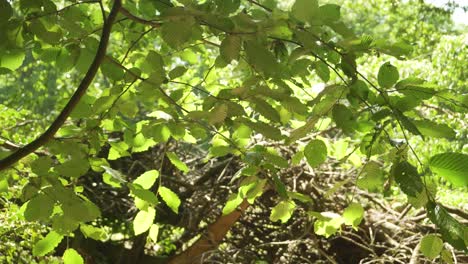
pixel 446 256
pixel 39 208
pixel 230 48
pixel 147 179
pixel 407 123
pixel 170 198
pixel 71 256
pixel 153 233
pixel 79 210
pixel 143 220
pixel 451 230
pixel 114 174
pixel 315 152
pixel 227 7
pixel 266 110
pixel 330 12
pixel 306 10
pixel 407 178
pixel 12 59
pixel 177 162
pixel 63 224
pixel 261 59
pixel 74 167
pixel 325 226
pixel 388 75
pixel 353 215
pixel 41 166
pixel 344 118
pixel 432 129
pixel 93 232
pixel 234 200
pixel 300 197
pixel 282 211
pixel 47 244
pixel 218 114
pixel 144 195
pixel 112 71
pixel 177 32
pixel 452 167
pixel 177 72
pixel 153 63
pixel 5 11
pixel 431 246
pixel 372 177
pixel 266 130
pixel 322 71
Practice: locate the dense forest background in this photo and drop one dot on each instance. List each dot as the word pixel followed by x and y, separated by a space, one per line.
pixel 233 131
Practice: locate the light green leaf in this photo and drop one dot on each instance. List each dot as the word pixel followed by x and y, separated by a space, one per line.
pixel 330 12
pixel 300 197
pixel 115 174
pixel 145 195
pixel 144 220
pixel 315 152
pixel 327 226
pixel 282 211
pixel 47 244
pixel 234 200
pixel 153 63
pixel 177 162
pixel 93 232
pixel 71 256
pixel 261 58
pixel 147 179
pixel 322 71
pixel 265 129
pixel 63 224
pixel 353 215
pixel 305 10
pixel 372 177
pixel 177 72
pixel 170 198
pixel 431 246
pixel 230 48
pixel 266 110
pixel 446 256
pixel 153 233
pixel 451 166
pixel 39 208
pixel 12 60
pixel 176 33
pixel 388 75
pixel 432 129
pixel 218 114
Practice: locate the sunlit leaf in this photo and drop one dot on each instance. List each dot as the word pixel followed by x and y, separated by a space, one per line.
pixel 170 198
pixel 143 220
pixel 71 256
pixel 282 211
pixel 451 166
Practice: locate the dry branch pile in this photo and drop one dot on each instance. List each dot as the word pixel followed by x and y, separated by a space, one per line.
pixel 390 232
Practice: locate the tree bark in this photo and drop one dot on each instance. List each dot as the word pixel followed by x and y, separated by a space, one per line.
pixel 215 234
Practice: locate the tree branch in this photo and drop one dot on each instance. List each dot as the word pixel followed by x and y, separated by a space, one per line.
pixel 215 234
pixel 74 100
